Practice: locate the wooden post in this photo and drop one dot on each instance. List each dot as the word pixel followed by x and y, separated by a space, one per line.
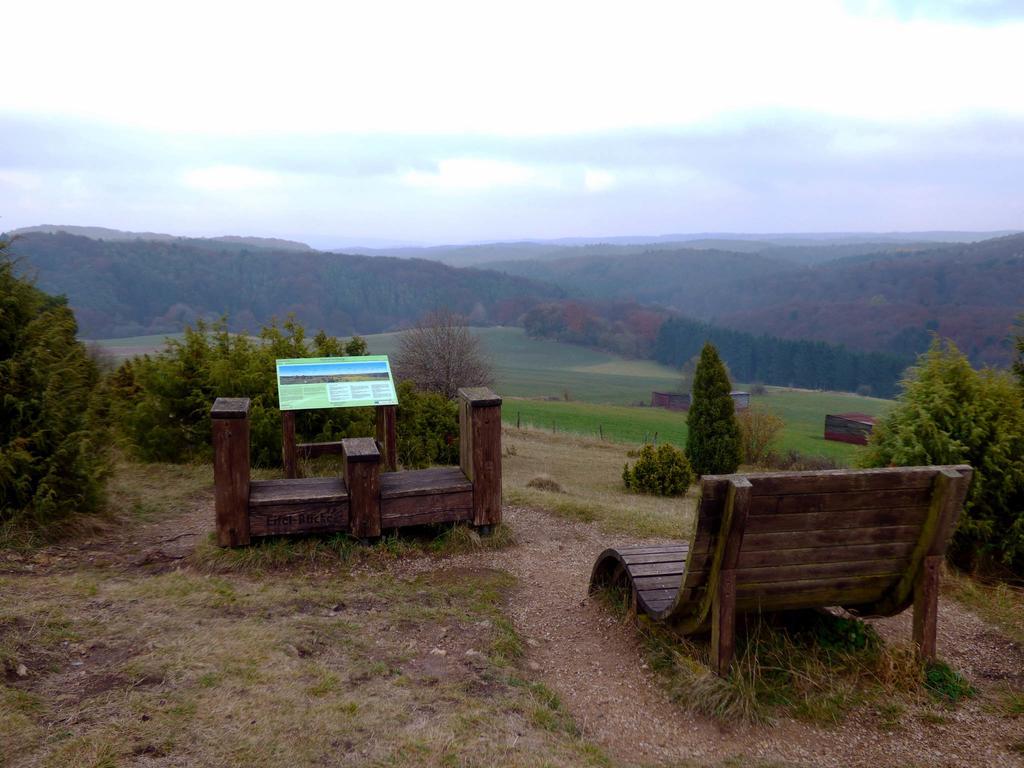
pixel 387 435
pixel 948 499
pixel 723 623
pixel 926 607
pixel 230 417
pixel 288 454
pixel 723 609
pixel 480 452
pixel 361 461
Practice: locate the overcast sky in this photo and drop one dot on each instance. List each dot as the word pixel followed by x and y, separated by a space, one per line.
pixel 429 122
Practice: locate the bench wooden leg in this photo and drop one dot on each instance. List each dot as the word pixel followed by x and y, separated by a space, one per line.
pixel 289 454
pixel 926 607
pixel 723 623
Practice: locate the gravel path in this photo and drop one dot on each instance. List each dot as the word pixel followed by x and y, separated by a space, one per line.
pixel 596 666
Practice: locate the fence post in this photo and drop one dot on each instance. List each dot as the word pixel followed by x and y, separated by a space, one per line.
pixel 387 435
pixel 480 452
pixel 361 462
pixel 230 417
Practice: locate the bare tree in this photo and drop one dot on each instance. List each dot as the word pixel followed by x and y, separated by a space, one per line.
pixel 441 354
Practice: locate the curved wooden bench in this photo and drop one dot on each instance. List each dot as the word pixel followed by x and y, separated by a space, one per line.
pixel 868 540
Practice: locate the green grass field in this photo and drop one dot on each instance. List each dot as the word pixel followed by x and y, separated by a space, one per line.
pixel 803 413
pixel 595 393
pixel 526 367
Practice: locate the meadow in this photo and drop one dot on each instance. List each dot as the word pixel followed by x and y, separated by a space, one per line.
pixel 563 388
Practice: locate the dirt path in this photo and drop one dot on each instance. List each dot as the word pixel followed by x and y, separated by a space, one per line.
pixel 596 665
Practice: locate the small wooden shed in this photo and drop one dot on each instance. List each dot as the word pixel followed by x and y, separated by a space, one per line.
pixel 741 400
pixel 849 427
pixel 674 401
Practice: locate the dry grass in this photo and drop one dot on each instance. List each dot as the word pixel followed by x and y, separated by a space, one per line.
pixel 589 472
pixel 997 602
pixel 303 668
pixel 272 554
pixel 817 667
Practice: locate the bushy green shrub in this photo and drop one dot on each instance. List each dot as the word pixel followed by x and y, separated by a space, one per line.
pixel 713 436
pixel 948 413
pixel 162 401
pixel 53 459
pixel 662 471
pixel 428 428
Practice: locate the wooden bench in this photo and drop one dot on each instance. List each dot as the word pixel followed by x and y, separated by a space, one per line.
pixel 362 500
pixel 870 541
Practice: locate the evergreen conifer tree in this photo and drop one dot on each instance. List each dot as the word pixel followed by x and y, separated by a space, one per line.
pixel 713 438
pixel 52 450
pixel 949 413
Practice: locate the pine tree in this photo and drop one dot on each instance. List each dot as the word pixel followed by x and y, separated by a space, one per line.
pixel 713 438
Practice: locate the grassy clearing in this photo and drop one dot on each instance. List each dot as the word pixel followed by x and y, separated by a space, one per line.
pixel 526 367
pixel 802 412
pixel 230 670
pixel 617 423
pixel 589 475
pixel 817 667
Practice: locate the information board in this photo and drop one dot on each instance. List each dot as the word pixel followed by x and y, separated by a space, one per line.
pixel 334 382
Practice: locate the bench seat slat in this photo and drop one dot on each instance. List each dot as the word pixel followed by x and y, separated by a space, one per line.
pixel 807 571
pixel 753 542
pixel 680 547
pixel 423 482
pixel 841 520
pixel 827 481
pixel 654 557
pixel 825 554
pixel 668 581
pixel 799 504
pixel 297 491
pixel 657 569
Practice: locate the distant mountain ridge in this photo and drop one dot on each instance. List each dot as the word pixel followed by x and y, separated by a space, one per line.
pixel 890 300
pixel 803 248
pixel 137 287
pixel 118 235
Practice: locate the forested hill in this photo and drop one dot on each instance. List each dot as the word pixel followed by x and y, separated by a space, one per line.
pixel 969 293
pixel 889 301
pixel 127 288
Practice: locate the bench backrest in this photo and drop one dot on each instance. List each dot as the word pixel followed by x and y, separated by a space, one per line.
pixel 854 538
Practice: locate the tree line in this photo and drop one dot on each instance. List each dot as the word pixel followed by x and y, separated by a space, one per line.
pixel 131 288
pixel 783 362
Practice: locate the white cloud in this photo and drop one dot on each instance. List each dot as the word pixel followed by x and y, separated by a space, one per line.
pixel 228 178
pixel 598 180
pixel 480 173
pixel 865 142
pixel 20 180
pixel 465 66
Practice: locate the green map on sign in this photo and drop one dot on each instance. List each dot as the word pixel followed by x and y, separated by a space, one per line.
pixel 334 382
